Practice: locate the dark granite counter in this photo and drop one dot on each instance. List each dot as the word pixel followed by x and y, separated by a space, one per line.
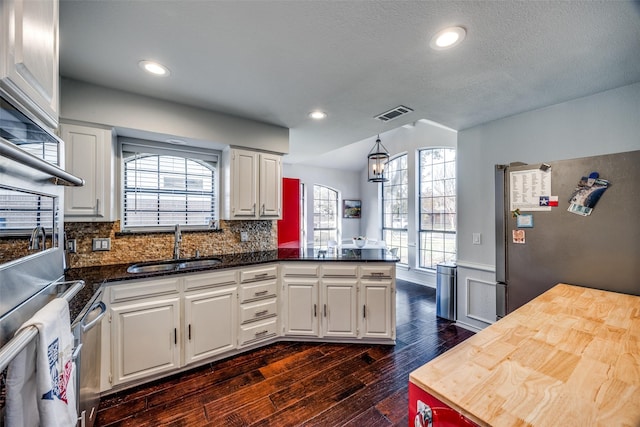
pixel 95 277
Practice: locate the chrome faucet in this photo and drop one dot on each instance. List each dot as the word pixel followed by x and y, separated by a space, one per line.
pixel 177 239
pixel 38 239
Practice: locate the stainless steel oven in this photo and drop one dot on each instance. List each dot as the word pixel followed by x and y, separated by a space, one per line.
pixel 32 180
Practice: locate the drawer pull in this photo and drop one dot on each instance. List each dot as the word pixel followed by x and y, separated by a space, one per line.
pixel 364 311
pixel 262 333
pixel 377 274
pixel 261 293
pixel 325 310
pixel 261 275
pixel 315 310
pixel 261 313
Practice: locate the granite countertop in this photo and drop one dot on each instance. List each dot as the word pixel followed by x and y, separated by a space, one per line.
pixel 95 277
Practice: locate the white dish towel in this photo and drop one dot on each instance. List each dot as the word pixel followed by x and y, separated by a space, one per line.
pixel 41 379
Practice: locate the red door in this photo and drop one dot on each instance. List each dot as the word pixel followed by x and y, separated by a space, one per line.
pixel 289 225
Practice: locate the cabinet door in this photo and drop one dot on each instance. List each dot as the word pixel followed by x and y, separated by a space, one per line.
pixel 210 323
pixel 270 186
pixel 301 307
pixel 29 56
pixel 89 155
pixel 377 312
pixel 244 184
pixel 339 308
pixel 144 338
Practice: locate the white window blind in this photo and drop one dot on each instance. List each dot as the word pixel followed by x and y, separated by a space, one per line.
pixel 166 185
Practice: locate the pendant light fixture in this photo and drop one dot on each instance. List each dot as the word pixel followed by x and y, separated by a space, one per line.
pixel 377 160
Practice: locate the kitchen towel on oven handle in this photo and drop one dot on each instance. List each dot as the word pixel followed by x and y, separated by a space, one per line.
pixel 40 380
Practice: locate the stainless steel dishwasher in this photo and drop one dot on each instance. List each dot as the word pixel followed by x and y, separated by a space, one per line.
pixel 87 335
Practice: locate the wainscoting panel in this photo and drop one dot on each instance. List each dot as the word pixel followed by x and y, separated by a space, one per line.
pixel 481 300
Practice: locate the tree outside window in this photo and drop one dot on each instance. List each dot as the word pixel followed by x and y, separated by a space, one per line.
pixel 437 201
pixel 395 206
pixel 325 215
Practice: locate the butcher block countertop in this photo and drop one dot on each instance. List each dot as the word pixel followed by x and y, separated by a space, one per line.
pixel 570 357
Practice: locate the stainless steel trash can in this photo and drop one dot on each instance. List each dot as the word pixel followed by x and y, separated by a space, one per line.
pixel 446 291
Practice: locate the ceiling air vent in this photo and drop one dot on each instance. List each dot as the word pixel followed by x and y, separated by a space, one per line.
pixel 400 110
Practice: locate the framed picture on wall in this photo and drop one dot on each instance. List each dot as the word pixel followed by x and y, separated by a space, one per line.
pixel 351 208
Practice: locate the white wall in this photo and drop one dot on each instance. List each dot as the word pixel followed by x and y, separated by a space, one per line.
pixel 603 123
pixel 347 183
pixel 132 113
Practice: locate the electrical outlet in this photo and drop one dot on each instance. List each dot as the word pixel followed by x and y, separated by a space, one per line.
pixel 102 244
pixel 477 238
pixel 71 246
pixel 244 236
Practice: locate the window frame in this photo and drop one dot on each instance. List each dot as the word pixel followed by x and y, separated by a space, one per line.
pixel 421 229
pixel 337 214
pixel 207 158
pixel 404 231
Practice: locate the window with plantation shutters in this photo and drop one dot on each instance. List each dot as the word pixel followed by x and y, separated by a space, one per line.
pixel 167 186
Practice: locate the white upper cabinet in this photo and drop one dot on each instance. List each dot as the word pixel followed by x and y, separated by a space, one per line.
pixel 29 56
pixel 253 185
pixel 89 154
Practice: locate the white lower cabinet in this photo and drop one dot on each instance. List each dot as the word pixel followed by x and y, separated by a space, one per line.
pixel 378 314
pixel 301 306
pixel 210 323
pixel 258 304
pixel 144 338
pixel 162 325
pixel 339 308
pixel 339 300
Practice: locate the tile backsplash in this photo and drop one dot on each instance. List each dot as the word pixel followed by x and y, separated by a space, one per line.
pixel 140 247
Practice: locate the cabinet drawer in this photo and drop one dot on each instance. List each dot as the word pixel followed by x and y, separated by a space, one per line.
pixel 125 291
pixel 258 331
pixel 262 273
pixel 258 290
pixel 258 310
pixel 338 270
pixel 376 271
pixel 209 279
pixel 301 269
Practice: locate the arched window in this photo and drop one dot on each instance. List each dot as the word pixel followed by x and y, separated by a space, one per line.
pixel 437 203
pixel 395 206
pixel 325 215
pixel 161 190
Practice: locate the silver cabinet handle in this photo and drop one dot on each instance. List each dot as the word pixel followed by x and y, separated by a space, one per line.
pixel 103 310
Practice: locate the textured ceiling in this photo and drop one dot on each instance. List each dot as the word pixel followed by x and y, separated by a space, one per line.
pixel 274 61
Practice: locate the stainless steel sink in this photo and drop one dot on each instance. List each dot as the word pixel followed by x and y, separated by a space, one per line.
pixel 173 265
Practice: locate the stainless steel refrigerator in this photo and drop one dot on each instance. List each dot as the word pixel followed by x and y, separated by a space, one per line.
pixel 595 245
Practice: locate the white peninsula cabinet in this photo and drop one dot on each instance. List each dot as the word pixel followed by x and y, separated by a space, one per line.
pixel 89 154
pixel 29 56
pixel 252 185
pixel 351 302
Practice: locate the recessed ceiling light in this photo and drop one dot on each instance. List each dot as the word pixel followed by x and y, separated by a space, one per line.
pixel 318 115
pixel 448 38
pixel 154 68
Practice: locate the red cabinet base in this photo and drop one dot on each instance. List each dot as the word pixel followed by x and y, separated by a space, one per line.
pixel 424 407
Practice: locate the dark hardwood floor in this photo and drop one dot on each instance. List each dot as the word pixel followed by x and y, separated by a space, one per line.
pixel 298 384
